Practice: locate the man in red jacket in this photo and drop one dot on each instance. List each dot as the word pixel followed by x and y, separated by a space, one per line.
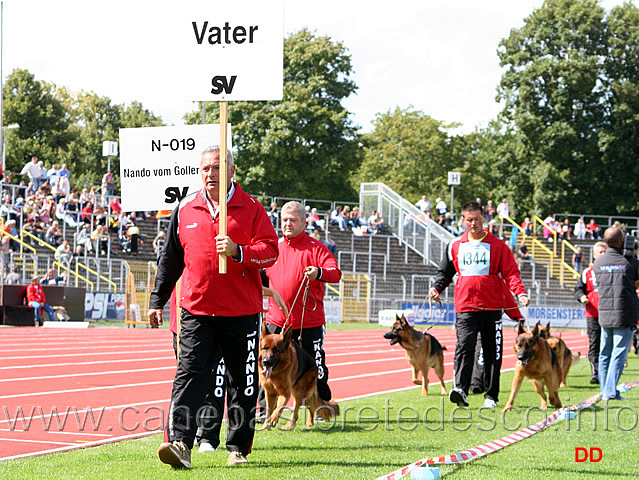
pixel 302 258
pixel 219 312
pixel 37 300
pixel 587 293
pixel 482 262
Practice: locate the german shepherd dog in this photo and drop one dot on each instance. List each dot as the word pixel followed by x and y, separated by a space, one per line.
pixel 285 370
pixel 422 351
pixel 564 355
pixel 538 362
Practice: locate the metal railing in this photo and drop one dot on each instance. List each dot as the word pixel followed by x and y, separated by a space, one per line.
pixel 406 222
pixel 354 255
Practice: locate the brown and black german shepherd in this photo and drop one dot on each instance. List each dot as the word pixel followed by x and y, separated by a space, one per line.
pixel 422 351
pixel 538 362
pixel 564 356
pixel 285 370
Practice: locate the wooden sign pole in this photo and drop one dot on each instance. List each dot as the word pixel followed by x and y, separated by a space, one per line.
pixel 223 177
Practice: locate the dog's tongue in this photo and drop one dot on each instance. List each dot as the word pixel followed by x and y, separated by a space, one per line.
pixel 267 372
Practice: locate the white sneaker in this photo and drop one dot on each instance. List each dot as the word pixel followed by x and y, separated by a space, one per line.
pixel 490 403
pixel 206 447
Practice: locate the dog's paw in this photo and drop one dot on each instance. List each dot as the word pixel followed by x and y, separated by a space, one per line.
pixel 290 425
pixel 417 381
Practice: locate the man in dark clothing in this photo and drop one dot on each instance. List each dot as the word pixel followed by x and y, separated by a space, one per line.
pixel 617 279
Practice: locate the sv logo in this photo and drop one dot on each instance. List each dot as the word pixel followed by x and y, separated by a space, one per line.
pixel 220 83
pixel 174 194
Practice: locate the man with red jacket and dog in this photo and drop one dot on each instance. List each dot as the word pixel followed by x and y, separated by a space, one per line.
pixel 587 293
pixel 480 260
pixel 219 312
pixel 302 259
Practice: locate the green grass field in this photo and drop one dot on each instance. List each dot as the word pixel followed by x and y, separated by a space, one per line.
pixel 377 435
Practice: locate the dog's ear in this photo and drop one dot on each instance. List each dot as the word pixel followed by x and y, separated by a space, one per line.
pixel 264 329
pixel 288 334
pixel 403 320
pixel 536 330
pixel 520 328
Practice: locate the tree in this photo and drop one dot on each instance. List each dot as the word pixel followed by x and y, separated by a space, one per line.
pixel 34 106
pixel 408 151
pixel 60 126
pixel 570 88
pixel 305 145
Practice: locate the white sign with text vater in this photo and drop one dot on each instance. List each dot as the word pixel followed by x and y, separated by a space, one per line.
pixel 228 50
pixel 161 165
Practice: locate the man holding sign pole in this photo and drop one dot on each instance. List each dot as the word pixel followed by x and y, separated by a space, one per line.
pixel 219 313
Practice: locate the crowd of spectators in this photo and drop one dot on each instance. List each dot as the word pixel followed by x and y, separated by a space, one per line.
pixel 48 205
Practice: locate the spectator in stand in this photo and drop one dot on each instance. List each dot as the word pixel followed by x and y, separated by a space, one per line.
pixel 527 226
pixel 448 224
pixel 102 239
pixel 43 171
pixel 108 187
pixel 337 218
pixel 8 211
pixel 37 300
pixel 57 192
pixel 84 198
pixel 577 260
pixel 272 213
pixel 52 279
pixel 62 214
pixel 587 293
pixel 580 229
pixel 331 245
pixel 99 215
pixel 54 235
pixel 84 244
pixel 64 172
pixel 33 171
pixel 593 228
pixel 503 211
pixel 94 196
pixel 375 222
pixel 566 230
pixel 10 228
pixel 31 190
pixel 135 237
pixel 87 213
pixel 490 211
pixel 549 228
pixel 523 254
pixel 424 205
pixel 63 253
pixel 53 175
pixel 116 207
pixel 13 277
pixel 440 206
pixel 359 221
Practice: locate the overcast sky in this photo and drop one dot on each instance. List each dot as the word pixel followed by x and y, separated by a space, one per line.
pixel 437 55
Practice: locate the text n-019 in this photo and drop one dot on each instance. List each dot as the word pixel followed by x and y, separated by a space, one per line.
pixel 174 144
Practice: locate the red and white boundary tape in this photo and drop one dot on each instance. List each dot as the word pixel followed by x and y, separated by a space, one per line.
pixel 495 445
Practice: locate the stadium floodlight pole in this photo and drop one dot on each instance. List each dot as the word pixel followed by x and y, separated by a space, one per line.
pixel 2 132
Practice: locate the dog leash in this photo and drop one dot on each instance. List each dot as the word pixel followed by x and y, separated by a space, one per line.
pixel 307 291
pixel 430 311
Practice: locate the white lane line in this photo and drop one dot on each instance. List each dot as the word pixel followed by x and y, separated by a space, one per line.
pixel 36 441
pixel 88 346
pixel 76 364
pixel 152 403
pixel 92 354
pixel 76 390
pixel 87 374
pixel 83 445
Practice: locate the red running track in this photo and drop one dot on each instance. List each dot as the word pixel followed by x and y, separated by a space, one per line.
pixel 67 389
